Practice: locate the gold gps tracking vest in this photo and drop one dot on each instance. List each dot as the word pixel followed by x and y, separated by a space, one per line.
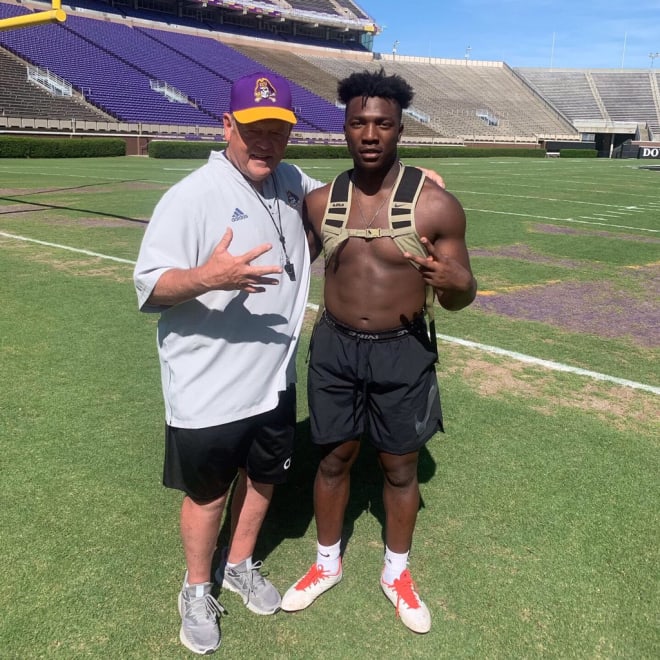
pixel 401 223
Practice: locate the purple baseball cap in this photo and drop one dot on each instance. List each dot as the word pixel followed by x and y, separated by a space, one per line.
pixel 261 96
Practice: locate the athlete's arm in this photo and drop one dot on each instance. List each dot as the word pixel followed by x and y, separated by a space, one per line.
pixel 432 175
pixel 441 222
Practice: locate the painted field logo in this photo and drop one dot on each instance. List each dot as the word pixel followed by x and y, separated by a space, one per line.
pixel 649 152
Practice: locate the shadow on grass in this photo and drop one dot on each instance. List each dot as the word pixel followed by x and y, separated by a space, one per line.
pixel 48 207
pixel 292 509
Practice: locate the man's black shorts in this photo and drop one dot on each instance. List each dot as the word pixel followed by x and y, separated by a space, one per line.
pixel 382 384
pixel 203 462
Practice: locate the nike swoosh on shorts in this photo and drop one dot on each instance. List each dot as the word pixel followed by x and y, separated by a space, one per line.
pixel 421 425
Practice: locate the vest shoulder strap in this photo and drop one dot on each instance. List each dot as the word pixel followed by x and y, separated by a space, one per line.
pixel 407 189
pixel 339 203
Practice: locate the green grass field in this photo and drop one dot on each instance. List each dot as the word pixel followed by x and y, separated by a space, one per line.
pixel 539 532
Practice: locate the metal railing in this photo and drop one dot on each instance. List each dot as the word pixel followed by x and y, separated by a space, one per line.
pixel 49 81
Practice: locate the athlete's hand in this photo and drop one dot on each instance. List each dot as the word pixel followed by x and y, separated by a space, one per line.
pixel 226 272
pixel 432 175
pixel 442 272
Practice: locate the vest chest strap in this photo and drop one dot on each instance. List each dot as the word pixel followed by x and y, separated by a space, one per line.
pixel 369 232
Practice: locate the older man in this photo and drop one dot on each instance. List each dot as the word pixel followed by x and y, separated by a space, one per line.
pixel 225 262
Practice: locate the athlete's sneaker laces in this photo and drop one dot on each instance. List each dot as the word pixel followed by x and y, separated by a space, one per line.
pixel 303 593
pixel 199 612
pixel 409 606
pixel 258 594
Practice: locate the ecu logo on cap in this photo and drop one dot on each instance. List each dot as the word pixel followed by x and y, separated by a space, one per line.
pixel 264 90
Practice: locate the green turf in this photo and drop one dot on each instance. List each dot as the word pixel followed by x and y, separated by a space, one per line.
pixel 538 535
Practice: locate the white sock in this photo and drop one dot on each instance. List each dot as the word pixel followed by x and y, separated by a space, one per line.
pixel 248 563
pixel 395 564
pixel 328 556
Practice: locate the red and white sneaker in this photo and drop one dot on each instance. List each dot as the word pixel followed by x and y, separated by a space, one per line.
pixel 409 606
pixel 304 592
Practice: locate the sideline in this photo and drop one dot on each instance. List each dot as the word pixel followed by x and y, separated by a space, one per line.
pixel 520 357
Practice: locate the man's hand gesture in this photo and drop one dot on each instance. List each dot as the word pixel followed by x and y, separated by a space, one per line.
pixel 226 272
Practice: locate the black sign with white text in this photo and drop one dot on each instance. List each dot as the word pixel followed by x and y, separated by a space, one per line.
pixel 649 152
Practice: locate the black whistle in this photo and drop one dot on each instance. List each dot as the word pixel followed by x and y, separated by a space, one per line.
pixel 288 267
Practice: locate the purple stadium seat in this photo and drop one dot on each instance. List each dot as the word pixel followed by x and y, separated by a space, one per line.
pixel 113 64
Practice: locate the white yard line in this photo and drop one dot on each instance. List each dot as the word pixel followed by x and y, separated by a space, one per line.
pixel 547 364
pixel 542 199
pixel 100 181
pixel 520 357
pixel 66 247
pixel 545 217
pixel 550 364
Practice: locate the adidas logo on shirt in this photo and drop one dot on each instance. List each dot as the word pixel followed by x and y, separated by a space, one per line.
pixel 238 215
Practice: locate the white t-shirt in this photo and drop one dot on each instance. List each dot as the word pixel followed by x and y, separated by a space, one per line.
pixel 226 355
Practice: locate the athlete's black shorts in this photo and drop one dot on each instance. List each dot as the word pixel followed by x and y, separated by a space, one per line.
pixel 203 462
pixel 382 384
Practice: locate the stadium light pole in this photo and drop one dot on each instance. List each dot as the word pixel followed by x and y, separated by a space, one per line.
pixel 653 56
pixel 467 54
pixel 623 54
pixel 552 50
pixel 394 47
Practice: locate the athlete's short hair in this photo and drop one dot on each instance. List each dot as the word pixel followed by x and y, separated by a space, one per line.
pixel 369 84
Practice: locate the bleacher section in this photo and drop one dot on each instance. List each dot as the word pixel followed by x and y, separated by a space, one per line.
pixel 314 113
pixel 338 8
pixel 353 8
pixel 628 96
pixel 604 96
pixel 335 24
pixel 318 81
pixel 147 67
pixel 453 95
pixel 568 90
pixel 118 88
pixel 321 6
pixel 28 101
pixel 113 66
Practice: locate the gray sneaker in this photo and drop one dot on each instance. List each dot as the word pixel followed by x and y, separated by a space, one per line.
pixel 199 612
pixel 258 594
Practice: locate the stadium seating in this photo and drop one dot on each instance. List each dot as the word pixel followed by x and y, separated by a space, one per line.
pixel 331 8
pixel 114 85
pixel 118 57
pixel 317 80
pixel 600 95
pixel 18 99
pixel 322 6
pixel 626 95
pixel 567 90
pixel 113 64
pixel 314 113
pixel 351 8
pixel 453 95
